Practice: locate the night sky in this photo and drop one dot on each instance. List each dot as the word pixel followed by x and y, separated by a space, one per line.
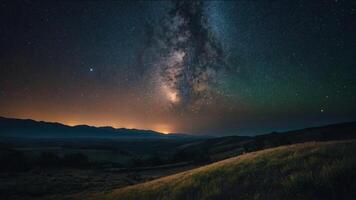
pixel 212 67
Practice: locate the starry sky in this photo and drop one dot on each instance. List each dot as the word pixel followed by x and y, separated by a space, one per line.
pixel 200 67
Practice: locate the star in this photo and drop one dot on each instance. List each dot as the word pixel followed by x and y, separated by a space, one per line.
pixel 208 67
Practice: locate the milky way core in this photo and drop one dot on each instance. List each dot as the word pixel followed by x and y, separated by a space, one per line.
pixel 190 57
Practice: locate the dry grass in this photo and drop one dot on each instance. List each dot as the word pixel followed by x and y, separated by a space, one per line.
pixel 322 170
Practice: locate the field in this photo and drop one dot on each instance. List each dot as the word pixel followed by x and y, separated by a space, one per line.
pixel 55 169
pixel 61 183
pixel 314 170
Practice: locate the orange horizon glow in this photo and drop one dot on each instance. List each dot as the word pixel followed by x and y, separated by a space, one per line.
pixel 161 128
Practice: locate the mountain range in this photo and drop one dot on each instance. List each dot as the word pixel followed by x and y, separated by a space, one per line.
pixel 27 128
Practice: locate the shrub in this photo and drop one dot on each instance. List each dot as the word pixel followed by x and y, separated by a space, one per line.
pixel 12 160
pixel 48 159
pixel 76 160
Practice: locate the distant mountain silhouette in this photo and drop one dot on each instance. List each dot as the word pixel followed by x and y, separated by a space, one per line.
pixel 27 128
pixel 224 147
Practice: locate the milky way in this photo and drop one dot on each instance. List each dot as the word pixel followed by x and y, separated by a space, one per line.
pixel 190 59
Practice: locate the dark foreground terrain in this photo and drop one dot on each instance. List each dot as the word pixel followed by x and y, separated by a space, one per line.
pixel 323 170
pixel 62 182
pixel 35 163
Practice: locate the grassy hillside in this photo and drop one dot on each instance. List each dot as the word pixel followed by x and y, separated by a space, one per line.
pixel 321 170
pixel 216 149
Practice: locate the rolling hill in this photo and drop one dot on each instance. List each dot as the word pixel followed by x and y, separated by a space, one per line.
pixel 314 170
pixel 215 149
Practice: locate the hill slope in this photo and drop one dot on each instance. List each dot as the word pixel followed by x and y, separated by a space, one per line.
pixel 215 149
pixel 322 170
